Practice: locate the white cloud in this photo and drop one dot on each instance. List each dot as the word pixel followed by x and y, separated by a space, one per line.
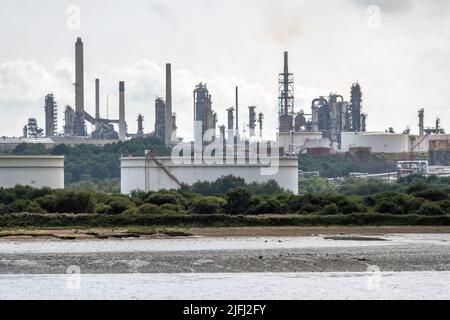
pixel 23 86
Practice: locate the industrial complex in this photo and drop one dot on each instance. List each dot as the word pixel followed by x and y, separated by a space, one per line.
pixel 333 124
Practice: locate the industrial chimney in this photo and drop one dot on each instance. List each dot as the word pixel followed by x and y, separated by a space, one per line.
pixel 252 120
pixel 421 122
pixel 260 121
pixel 169 125
pixel 140 120
pixel 97 99
pixel 122 124
pixel 237 110
pixel 97 104
pixel 79 129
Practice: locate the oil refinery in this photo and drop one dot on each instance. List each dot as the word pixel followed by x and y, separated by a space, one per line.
pixel 334 123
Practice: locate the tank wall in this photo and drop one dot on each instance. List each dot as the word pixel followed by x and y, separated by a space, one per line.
pixel 35 172
pixel 134 171
pixel 302 140
pixel 379 142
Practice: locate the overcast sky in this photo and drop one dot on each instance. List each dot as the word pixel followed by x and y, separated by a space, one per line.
pixel 400 56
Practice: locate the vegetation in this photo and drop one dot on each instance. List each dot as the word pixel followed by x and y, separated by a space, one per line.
pixel 92 195
pixel 89 166
pixel 340 165
pixel 218 220
pixel 413 196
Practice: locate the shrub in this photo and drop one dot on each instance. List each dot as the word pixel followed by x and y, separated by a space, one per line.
pixel 119 206
pixel 389 207
pixel 19 206
pixel 445 205
pixel 310 208
pixel 102 208
pixel 268 205
pixel 47 202
pixel 431 209
pixel 238 201
pixel 162 198
pixel 148 208
pixel 171 207
pixel 74 202
pixel 131 211
pixel 330 209
pixel 432 194
pixel 207 205
pixel 34 207
pixel 22 206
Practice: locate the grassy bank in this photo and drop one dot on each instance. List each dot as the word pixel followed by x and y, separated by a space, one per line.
pixel 192 220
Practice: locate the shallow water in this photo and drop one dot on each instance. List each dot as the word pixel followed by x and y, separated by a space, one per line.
pixel 255 286
pixel 228 268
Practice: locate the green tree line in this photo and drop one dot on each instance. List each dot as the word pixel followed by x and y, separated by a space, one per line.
pixel 230 196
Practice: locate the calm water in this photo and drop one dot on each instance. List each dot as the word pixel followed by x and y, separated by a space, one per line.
pixel 372 284
pixel 304 286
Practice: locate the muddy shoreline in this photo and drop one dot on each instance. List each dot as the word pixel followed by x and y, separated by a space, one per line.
pixel 153 233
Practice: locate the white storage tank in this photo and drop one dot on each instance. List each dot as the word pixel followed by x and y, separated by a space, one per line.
pixel 146 174
pixel 34 171
pixel 299 142
pixel 379 142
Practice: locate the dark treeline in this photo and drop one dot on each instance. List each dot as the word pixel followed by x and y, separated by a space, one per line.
pixel 340 165
pixel 95 164
pixel 231 196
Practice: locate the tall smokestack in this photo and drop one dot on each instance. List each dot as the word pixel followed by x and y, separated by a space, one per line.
pixel 79 89
pixel 122 124
pixel 79 76
pixel 421 122
pixel 169 125
pixel 286 81
pixel 237 109
pixel 97 99
pixel 286 62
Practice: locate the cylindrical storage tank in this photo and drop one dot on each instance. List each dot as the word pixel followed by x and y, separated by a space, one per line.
pixel 34 171
pixel 380 142
pixel 150 175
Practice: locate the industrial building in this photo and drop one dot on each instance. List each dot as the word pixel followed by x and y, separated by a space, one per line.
pixel 34 171
pixel 156 173
pixel 205 118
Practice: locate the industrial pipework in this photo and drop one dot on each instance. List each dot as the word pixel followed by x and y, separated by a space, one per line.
pixel 51 116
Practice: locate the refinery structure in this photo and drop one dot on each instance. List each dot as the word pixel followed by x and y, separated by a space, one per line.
pixel 333 123
pixel 330 124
